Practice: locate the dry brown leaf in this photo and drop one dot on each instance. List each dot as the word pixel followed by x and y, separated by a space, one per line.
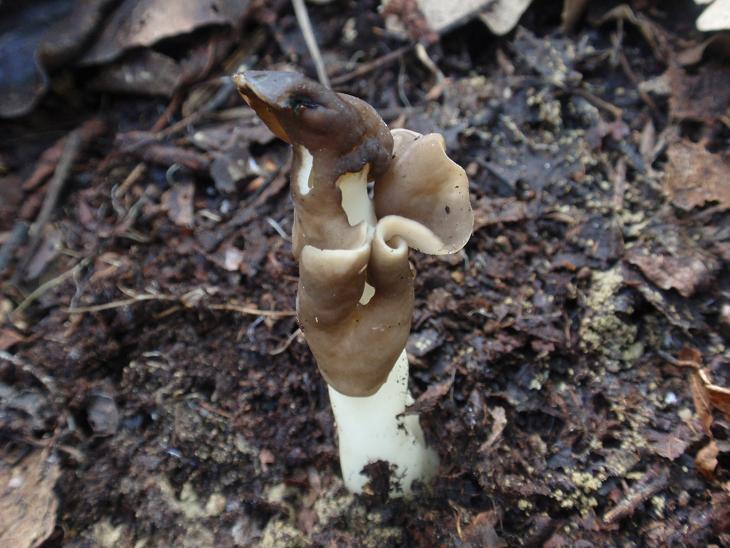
pixel 430 397
pixel 481 532
pixel 719 397
pixel 178 202
pixel 138 23
pixel 500 421
pixel 690 357
pixel 706 460
pixel 695 176
pixel 703 95
pixel 684 273
pixel 701 399
pixel 669 445
pixel 28 504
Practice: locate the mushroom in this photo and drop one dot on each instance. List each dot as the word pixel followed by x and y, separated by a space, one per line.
pixel 355 296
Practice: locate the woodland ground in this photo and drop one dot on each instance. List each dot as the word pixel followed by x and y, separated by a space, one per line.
pixel 569 365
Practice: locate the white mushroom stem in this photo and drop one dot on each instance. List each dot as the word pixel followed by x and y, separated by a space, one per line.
pixel 374 428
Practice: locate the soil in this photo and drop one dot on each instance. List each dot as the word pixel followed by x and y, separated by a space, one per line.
pixel 569 365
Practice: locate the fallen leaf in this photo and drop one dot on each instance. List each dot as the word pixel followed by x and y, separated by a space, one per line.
pixel 28 504
pixel 430 397
pixel 143 72
pixel 719 397
pixel 39 37
pixel 139 23
pixel 706 460
pixel 701 400
pixel 684 273
pixel 500 421
pixel 668 445
pixel 492 211
pixel 695 176
pixel 178 202
pixel 702 95
pixel 481 532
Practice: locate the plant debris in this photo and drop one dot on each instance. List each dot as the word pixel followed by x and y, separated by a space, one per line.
pixel 571 366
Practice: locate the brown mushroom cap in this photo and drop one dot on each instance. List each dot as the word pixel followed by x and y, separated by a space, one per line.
pixel 421 199
pixel 425 185
pixel 342 133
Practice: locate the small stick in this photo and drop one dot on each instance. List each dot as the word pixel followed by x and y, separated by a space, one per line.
pixel 274 314
pixel 50 284
pixel 290 339
pixel 118 304
pixel 60 176
pixel 600 103
pixel 370 66
pixel 135 298
pixel 652 482
pixel 626 66
pixel 300 10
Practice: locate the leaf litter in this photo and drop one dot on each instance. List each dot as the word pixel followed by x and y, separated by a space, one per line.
pixel 154 352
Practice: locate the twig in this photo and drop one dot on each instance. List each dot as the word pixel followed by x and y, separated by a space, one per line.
pixel 50 284
pixel 279 230
pixel 652 482
pixel 274 314
pixel 287 343
pixel 626 66
pixel 370 66
pixel 60 176
pixel 429 63
pixel 215 410
pixel 119 304
pixel 119 191
pixel 599 103
pixel 300 10
pixel 184 301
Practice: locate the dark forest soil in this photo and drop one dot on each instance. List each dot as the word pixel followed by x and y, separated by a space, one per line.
pixel 563 347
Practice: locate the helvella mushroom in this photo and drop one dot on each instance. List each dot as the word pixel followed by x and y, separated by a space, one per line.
pixel 355 295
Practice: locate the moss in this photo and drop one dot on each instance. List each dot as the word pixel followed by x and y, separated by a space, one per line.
pixel 279 533
pixel 602 330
